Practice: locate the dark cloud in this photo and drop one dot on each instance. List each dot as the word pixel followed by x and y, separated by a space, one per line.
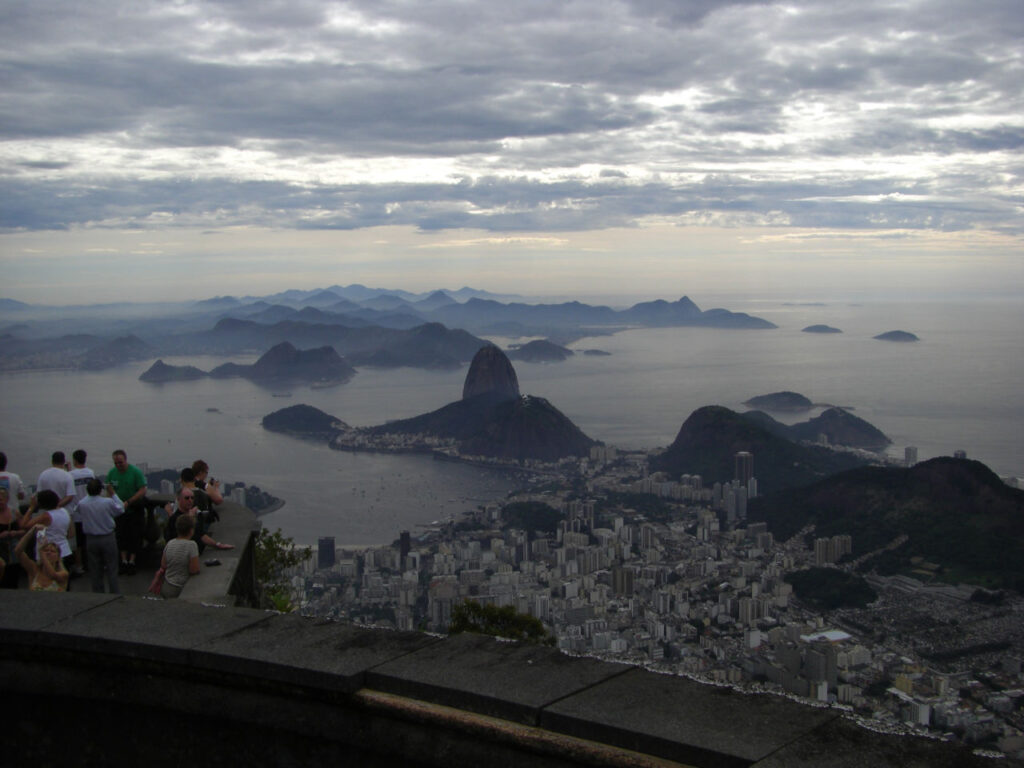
pixel 557 116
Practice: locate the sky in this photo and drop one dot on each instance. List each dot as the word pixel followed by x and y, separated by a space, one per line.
pixel 639 147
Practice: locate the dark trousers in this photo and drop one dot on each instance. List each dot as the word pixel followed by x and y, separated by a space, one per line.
pixel 129 529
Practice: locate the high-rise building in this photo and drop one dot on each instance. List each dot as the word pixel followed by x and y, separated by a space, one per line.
pixel 744 466
pixel 622 581
pixel 960 454
pixel 910 455
pixel 325 552
pixel 404 545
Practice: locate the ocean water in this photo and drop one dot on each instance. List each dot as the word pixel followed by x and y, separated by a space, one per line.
pixel 958 388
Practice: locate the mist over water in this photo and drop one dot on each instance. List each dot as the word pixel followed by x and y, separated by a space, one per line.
pixel 958 388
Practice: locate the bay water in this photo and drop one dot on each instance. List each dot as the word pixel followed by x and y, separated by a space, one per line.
pixel 956 388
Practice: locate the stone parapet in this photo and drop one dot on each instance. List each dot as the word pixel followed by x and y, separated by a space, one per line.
pixel 168 682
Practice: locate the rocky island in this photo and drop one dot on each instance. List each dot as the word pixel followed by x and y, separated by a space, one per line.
pixel 820 329
pixel 304 421
pixel 160 372
pixel 540 351
pixel 285 363
pixel 896 336
pixel 280 364
pixel 780 401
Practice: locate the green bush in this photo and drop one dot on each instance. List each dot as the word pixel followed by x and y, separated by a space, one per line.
pixel 470 616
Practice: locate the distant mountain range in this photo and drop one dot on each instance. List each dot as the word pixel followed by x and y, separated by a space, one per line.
pixel 365 325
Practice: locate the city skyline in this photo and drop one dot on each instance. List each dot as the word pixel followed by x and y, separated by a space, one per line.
pixel 545 149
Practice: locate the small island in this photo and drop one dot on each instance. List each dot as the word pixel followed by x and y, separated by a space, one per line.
pixel 304 421
pixel 780 401
pixel 321 367
pixel 820 329
pixel 896 336
pixel 160 372
pixel 596 353
pixel 540 351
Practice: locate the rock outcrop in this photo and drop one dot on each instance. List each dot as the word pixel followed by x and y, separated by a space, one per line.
pixel 160 372
pixel 493 419
pixel 491 372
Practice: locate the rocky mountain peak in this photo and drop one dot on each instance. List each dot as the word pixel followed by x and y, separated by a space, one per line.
pixel 490 372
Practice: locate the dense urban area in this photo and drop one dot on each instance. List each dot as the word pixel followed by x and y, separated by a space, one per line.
pixel 623 564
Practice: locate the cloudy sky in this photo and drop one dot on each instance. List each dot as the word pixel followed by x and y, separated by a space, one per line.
pixel 654 147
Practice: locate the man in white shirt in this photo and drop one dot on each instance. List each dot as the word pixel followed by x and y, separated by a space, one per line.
pixel 58 480
pixel 81 474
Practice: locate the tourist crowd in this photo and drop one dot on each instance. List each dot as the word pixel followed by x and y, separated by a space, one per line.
pixel 76 522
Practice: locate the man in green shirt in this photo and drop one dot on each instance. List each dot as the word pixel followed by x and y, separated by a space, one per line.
pixel 130 485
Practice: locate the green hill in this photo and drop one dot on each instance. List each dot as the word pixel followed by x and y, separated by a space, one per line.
pixel 955 512
pixel 712 435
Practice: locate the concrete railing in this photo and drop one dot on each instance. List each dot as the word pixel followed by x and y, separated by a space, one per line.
pixel 234 580
pixel 103 679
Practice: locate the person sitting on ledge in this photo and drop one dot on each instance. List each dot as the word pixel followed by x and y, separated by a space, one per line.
pixel 201 470
pixel 47 572
pixel 188 483
pixel 186 507
pixel 180 558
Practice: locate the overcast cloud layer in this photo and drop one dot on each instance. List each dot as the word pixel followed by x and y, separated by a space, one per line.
pixel 512 117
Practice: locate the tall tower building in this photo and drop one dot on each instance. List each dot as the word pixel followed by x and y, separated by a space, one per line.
pixel 744 467
pixel 325 552
pixel 910 455
pixel 404 545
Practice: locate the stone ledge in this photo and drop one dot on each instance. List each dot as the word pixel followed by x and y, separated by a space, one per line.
pixel 493 678
pixel 683 720
pixel 358 688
